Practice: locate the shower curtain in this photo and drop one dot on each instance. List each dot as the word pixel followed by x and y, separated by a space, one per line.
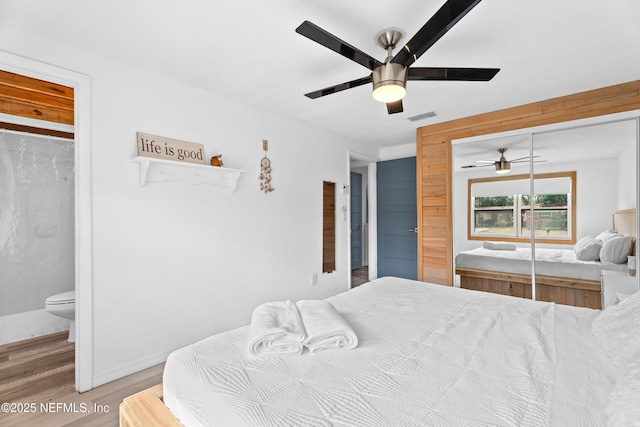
pixel 36 220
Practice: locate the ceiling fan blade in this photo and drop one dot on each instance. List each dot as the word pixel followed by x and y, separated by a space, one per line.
pixel 338 88
pixel 445 18
pixel 486 161
pixel 459 74
pixel 527 161
pixel 521 159
pixel 394 107
pixel 328 40
pixel 475 166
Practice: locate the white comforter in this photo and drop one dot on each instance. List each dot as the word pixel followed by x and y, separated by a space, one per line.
pixel 549 262
pixel 427 356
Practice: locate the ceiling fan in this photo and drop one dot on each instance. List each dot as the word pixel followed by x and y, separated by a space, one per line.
pixel 389 78
pixel 502 165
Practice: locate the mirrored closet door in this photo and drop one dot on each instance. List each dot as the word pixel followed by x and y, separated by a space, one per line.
pixel 491 187
pixel 542 195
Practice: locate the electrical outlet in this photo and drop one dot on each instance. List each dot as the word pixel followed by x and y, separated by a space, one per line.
pixel 314 279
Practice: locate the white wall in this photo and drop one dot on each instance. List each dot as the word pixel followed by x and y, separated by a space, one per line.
pixel 596 199
pixel 174 262
pixel 397 151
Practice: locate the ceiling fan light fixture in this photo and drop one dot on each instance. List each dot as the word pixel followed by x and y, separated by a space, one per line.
pixel 503 167
pixel 389 82
pixel 391 92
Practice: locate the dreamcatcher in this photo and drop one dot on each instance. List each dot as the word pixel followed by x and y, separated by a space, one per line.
pixel 265 170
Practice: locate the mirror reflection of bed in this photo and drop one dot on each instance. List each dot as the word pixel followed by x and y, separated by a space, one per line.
pixel 602 157
pixel 560 276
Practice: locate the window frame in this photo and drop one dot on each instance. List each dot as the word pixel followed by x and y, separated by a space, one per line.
pixel 571 208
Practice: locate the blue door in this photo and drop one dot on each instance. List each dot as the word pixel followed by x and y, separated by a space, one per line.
pixel 397 218
pixel 356 220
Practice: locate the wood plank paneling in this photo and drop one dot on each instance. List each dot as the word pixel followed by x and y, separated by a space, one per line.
pixel 434 177
pixel 434 186
pixel 36 99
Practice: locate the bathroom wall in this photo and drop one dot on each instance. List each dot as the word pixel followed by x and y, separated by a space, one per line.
pixel 36 231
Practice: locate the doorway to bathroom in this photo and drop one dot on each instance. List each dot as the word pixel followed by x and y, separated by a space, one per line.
pixel 37 223
pixel 77 116
pixel 36 231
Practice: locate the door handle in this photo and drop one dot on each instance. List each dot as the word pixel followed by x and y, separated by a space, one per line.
pixel 415 230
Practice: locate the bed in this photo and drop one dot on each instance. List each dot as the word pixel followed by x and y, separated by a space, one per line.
pixel 560 277
pixel 428 355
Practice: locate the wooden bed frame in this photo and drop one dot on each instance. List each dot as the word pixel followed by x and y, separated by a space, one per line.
pixel 561 290
pixel 147 409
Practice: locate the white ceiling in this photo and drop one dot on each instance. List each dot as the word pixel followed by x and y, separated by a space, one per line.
pixel 249 51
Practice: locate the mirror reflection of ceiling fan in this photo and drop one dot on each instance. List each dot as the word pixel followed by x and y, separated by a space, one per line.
pixel 390 77
pixel 502 165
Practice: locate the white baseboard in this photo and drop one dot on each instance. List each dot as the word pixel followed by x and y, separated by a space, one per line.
pixel 21 326
pixel 132 368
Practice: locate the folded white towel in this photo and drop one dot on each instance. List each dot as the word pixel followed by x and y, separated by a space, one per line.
pixel 499 246
pixel 276 330
pixel 325 327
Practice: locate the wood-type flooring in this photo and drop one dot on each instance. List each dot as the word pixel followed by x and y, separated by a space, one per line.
pixel 37 379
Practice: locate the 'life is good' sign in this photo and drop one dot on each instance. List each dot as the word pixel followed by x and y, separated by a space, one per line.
pixel 160 147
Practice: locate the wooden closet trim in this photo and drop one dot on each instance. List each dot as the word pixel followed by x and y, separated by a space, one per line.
pixel 435 237
pixel 36 99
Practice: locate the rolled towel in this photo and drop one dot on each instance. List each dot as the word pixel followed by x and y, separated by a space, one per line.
pixel 499 246
pixel 325 327
pixel 276 330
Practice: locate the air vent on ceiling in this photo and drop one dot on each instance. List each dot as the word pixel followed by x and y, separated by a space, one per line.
pixel 422 116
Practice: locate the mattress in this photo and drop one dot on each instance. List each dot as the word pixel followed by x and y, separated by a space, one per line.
pixel 428 355
pixel 549 262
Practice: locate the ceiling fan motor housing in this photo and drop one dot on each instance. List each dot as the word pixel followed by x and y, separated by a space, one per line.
pixel 502 165
pixel 392 75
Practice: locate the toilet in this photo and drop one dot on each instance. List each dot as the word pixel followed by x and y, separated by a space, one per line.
pixel 64 305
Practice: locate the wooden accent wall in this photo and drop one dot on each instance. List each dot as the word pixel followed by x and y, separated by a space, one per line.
pixel 435 242
pixel 434 174
pixel 36 99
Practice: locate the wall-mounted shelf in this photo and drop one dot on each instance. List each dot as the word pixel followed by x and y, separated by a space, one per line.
pixel 160 170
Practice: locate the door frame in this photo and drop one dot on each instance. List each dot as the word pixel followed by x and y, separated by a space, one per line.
pixel 355 159
pixel 356 209
pixel 82 210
